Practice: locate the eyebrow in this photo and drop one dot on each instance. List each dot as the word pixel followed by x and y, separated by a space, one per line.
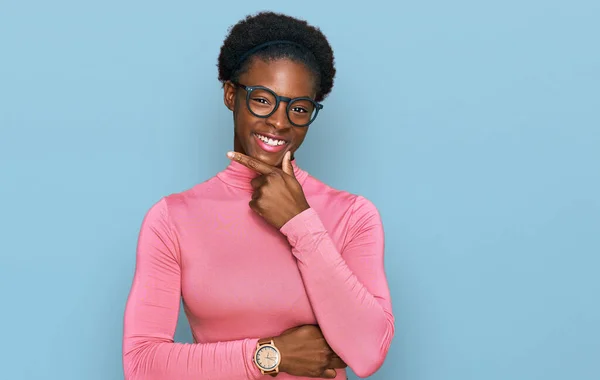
pixel 276 92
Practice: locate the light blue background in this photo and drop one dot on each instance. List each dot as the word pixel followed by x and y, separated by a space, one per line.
pixel 472 125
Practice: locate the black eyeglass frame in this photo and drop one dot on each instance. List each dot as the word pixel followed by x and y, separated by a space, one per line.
pixel 278 100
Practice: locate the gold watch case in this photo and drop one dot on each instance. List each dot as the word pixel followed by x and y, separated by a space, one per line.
pixel 267 357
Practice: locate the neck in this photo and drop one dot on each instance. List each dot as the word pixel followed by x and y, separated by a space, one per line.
pixel 241 176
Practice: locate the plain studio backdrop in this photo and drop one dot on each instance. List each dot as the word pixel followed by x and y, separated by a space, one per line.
pixel 472 125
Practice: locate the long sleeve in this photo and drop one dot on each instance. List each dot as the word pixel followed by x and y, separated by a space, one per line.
pixel 348 290
pixel 151 314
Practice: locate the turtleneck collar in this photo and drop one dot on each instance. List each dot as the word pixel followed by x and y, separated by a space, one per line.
pixel 238 175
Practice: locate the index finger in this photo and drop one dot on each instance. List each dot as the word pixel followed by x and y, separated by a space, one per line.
pixel 251 163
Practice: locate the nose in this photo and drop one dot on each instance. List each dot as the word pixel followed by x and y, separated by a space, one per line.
pixel 279 118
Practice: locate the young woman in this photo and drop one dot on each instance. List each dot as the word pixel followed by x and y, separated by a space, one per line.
pixel 280 274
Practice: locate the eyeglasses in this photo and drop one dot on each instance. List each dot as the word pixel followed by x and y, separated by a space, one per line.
pixel 263 102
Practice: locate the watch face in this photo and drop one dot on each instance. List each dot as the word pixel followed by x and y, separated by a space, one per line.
pixel 267 357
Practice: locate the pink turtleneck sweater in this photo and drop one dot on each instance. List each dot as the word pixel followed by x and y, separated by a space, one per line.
pixel 242 279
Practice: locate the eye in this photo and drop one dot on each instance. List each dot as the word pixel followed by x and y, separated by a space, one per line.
pixel 260 100
pixel 299 109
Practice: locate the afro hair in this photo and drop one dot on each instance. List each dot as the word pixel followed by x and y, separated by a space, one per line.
pixel 308 46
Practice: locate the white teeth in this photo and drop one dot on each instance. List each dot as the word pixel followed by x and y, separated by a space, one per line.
pixel 270 141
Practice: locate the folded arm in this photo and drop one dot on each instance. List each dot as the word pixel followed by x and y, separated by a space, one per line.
pixel 348 290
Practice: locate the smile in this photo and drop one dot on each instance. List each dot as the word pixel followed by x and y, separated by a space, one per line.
pixel 270 141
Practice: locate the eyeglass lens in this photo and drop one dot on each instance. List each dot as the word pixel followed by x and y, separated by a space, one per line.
pixel 262 102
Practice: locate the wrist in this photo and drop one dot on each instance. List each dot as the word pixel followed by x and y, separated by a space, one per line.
pixel 277 343
pixel 267 357
pixel 294 214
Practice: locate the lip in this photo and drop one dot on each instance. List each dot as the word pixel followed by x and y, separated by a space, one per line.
pixel 269 148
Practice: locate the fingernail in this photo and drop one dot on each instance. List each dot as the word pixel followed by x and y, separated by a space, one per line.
pixel 230 154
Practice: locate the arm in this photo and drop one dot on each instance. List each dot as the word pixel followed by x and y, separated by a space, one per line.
pixel 348 290
pixel 151 317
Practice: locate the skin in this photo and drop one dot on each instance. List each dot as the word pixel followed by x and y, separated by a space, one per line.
pixel 277 195
pixel 286 78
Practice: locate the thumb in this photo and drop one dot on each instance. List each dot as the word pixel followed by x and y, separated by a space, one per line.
pixel 329 373
pixel 286 165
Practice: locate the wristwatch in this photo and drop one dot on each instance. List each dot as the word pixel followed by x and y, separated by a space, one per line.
pixel 267 357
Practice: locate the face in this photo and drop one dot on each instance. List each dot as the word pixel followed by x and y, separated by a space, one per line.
pixel 286 78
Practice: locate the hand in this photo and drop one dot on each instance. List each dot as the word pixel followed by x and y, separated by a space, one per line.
pixel 305 352
pixel 277 196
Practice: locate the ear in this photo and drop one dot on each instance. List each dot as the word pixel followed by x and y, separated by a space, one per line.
pixel 229 91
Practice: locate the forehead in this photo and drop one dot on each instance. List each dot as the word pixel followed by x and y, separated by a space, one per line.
pixel 285 77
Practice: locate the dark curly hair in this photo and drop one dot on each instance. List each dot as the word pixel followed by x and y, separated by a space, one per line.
pixel 308 46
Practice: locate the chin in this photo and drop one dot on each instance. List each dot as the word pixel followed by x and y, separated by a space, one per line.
pixel 273 159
